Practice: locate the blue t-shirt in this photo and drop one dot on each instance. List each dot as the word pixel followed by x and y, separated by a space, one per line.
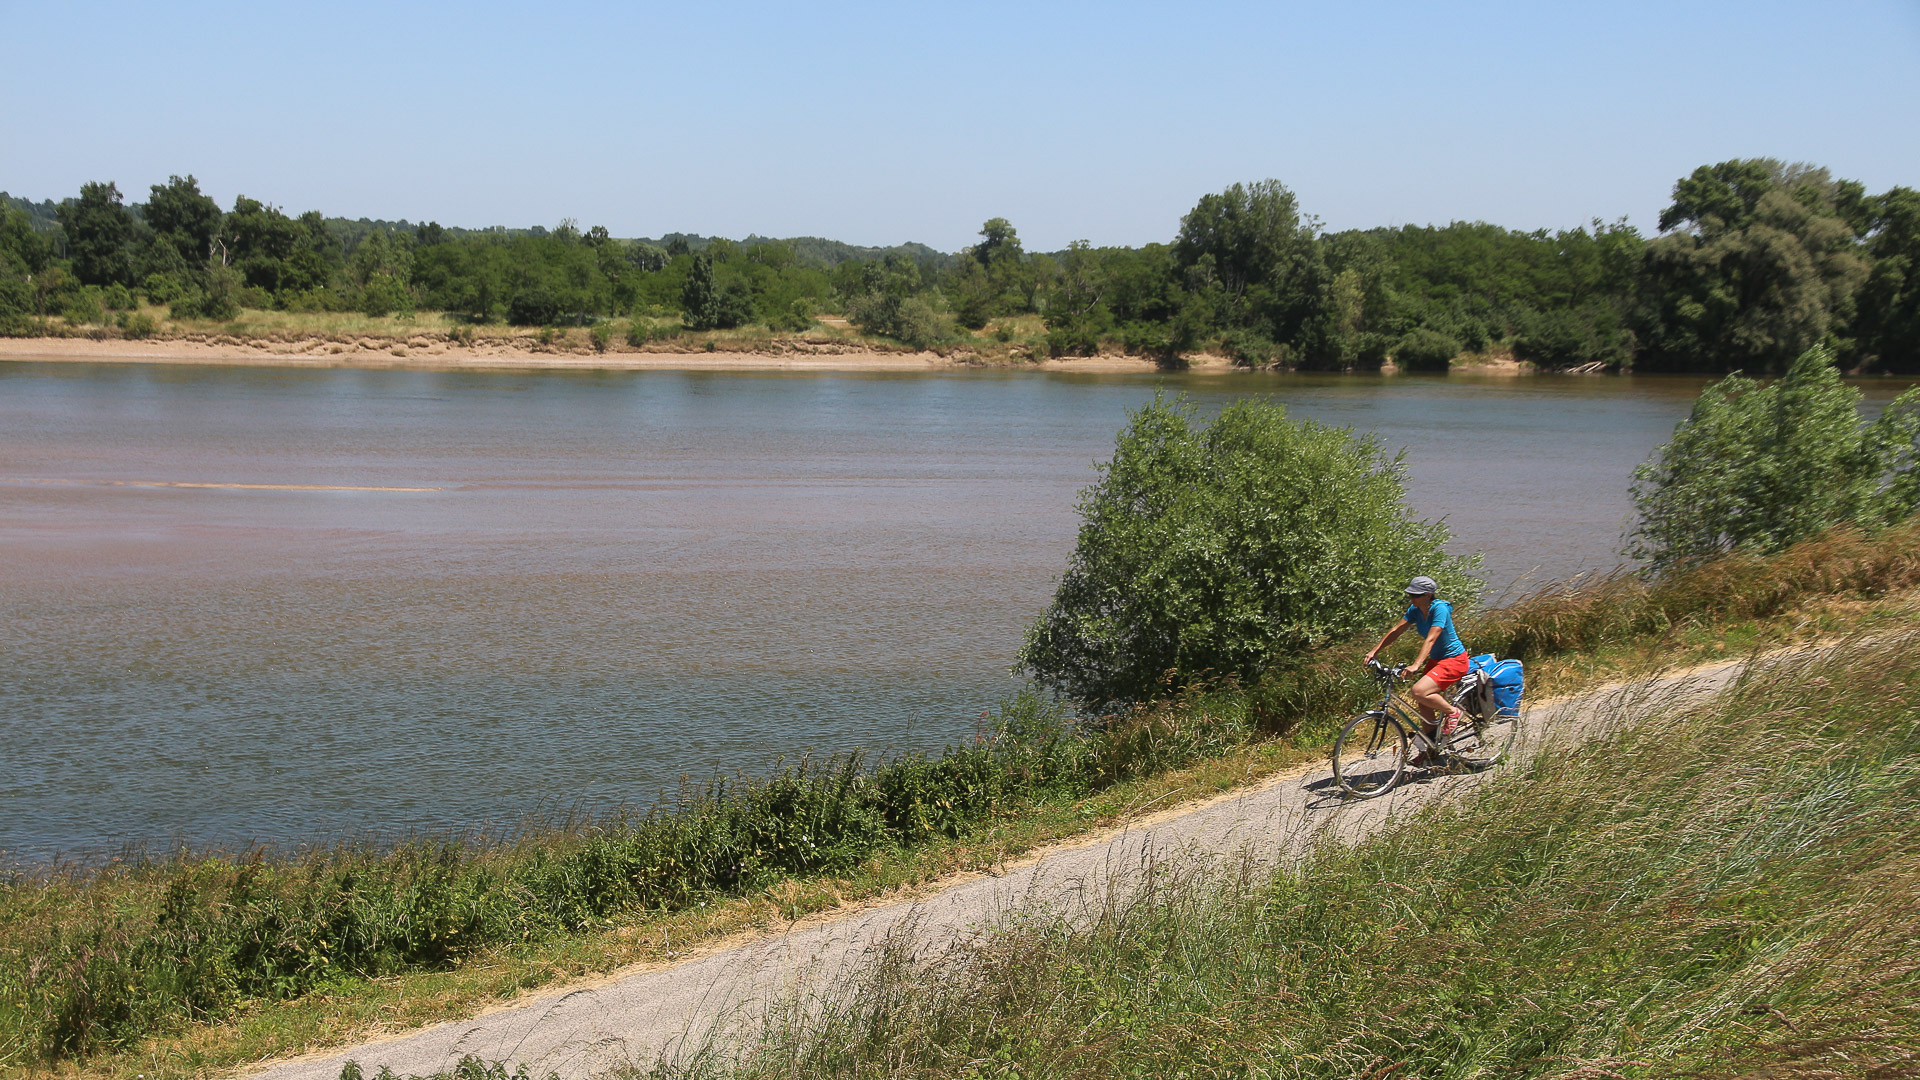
pixel 1439 613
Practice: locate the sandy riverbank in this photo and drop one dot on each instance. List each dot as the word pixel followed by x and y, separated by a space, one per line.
pixel 437 353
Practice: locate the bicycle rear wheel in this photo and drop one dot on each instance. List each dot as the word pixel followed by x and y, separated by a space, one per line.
pixel 1486 743
pixel 1369 755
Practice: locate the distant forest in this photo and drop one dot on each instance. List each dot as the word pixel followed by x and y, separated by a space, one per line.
pixel 1754 261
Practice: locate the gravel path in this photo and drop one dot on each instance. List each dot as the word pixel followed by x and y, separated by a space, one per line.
pixel 638 1016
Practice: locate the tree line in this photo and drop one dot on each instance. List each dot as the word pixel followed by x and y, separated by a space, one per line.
pixel 1754 262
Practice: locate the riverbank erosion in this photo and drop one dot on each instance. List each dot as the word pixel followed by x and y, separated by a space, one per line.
pixel 183 965
pixel 438 352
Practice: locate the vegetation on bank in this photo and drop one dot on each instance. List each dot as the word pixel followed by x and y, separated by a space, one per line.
pixel 95 963
pixel 1722 892
pixel 1755 262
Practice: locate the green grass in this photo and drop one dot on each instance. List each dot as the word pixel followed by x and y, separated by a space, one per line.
pixel 173 966
pixel 1706 894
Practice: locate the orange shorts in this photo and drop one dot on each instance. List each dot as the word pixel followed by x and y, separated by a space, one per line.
pixel 1451 670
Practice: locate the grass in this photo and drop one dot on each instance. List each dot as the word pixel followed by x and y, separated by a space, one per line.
pixel 182 965
pixel 1726 892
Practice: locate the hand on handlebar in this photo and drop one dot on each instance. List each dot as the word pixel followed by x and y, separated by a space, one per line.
pixel 1392 672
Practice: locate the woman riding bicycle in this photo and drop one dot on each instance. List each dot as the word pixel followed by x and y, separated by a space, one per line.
pixel 1441 644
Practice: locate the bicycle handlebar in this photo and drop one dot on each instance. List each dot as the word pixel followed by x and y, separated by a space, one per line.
pixel 1381 669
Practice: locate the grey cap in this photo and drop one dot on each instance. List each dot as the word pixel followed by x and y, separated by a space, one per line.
pixel 1422 586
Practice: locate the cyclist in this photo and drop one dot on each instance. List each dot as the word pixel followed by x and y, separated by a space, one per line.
pixel 1441 645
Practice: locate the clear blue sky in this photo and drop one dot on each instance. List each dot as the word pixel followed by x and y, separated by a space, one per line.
pixel 879 123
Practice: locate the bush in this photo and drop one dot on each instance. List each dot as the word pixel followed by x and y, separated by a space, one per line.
pixel 1072 338
pixel 218 301
pixel 602 336
pixel 907 319
pixel 138 324
pixel 384 294
pixel 1227 549
pixel 162 288
pixel 797 317
pixel 1249 348
pixel 1758 467
pixel 16 305
pixel 84 307
pixel 1426 350
pixel 115 297
pixel 533 307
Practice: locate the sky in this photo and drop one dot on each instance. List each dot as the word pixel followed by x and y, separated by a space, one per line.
pixel 880 123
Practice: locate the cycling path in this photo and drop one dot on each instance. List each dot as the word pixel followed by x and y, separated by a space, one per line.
pixel 637 1015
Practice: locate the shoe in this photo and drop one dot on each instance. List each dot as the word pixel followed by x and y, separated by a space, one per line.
pixel 1451 725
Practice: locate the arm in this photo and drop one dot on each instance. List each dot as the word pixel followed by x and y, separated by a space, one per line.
pixel 1398 629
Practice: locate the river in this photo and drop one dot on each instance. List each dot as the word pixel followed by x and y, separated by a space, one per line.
pixel 256 605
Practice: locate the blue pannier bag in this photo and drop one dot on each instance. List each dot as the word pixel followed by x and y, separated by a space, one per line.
pixel 1508 679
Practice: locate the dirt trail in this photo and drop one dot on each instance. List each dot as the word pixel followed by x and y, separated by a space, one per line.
pixel 638 1015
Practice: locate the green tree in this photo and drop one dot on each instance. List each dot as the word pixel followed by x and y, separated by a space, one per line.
pixel 886 302
pixel 708 304
pixel 1077 315
pixel 1759 466
pixel 1888 323
pixel 101 235
pixel 185 224
pixel 1227 548
pixel 1253 256
pixel 1759 263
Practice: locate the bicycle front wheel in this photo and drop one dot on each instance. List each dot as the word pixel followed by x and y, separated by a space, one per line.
pixel 1369 755
pixel 1487 742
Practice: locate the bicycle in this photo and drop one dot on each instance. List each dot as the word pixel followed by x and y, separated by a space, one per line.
pixel 1370 753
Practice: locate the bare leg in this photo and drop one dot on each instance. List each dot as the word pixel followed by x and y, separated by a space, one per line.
pixel 1431 703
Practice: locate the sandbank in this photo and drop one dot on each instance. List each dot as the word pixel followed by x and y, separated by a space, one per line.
pixel 437 353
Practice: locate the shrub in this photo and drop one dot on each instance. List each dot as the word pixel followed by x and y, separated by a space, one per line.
pixel 797 317
pixel 1249 348
pixel 907 319
pixel 218 301
pixel 1426 350
pixel 115 297
pixel 384 294
pixel 84 307
pixel 533 307
pixel 138 324
pixel 162 288
pixel 16 304
pixel 1228 548
pixel 1758 467
pixel 1072 338
pixel 602 335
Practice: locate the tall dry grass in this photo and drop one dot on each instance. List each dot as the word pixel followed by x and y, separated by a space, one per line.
pixel 1727 892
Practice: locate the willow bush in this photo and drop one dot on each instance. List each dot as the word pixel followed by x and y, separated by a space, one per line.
pixel 1229 549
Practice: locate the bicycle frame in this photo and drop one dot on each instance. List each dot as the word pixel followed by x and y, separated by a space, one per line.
pixel 1374 749
pixel 1401 708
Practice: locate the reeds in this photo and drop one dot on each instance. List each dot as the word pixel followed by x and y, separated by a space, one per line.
pixel 1705 893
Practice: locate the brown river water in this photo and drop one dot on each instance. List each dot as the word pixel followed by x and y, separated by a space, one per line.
pixel 254 605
